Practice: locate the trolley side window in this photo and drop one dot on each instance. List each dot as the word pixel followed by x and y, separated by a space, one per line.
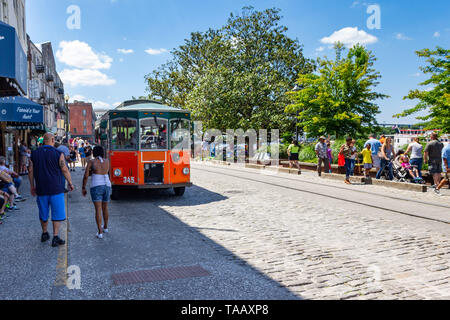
pixel 180 134
pixel 153 133
pixel 124 134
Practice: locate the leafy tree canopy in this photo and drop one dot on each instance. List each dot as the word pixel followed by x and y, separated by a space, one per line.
pixel 236 76
pixel 338 99
pixel 437 99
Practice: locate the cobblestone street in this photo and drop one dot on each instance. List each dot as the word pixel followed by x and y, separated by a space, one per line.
pixel 320 248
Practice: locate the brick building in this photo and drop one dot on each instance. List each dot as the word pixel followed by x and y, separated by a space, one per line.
pixel 82 120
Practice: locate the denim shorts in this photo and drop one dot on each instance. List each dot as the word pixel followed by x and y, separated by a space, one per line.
pixel 101 194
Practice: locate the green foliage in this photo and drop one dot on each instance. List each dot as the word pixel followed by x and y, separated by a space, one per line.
pixel 338 100
pixel 236 76
pixel 437 99
pixel 307 153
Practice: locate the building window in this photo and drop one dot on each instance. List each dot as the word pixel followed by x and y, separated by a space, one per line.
pixel 74 130
pixel 85 130
pixel 84 113
pixel 5 12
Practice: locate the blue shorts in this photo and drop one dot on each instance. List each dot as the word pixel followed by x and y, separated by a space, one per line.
pixel 6 187
pixel 56 203
pixel 101 194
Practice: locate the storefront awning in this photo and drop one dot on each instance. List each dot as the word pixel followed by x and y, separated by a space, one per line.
pixel 20 109
pixel 13 60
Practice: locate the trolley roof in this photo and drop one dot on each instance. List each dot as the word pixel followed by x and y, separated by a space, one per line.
pixel 147 105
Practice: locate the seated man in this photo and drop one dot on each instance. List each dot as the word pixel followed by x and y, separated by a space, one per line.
pixel 16 178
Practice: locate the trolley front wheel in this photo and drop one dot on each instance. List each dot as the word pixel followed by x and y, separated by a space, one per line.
pixel 179 191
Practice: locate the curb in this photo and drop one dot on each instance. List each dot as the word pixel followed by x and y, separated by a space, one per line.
pixel 333 176
pixel 386 183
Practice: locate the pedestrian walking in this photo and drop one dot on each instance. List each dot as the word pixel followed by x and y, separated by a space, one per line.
pixel 82 152
pixel 387 153
pixel 64 150
pixel 23 151
pixel 73 159
pixel 416 150
pixel 330 156
pixel 100 188
pixel 446 169
pixel 347 151
pixel 293 153
pixel 433 156
pixel 375 146
pixel 88 153
pixel 367 160
pixel 322 156
pixel 46 174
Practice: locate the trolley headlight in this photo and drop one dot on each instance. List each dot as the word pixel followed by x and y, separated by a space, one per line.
pixel 186 171
pixel 175 157
pixel 117 172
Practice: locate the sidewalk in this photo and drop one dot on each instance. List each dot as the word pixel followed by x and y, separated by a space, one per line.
pixel 28 267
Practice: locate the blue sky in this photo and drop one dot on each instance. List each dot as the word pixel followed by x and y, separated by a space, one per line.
pixel 120 41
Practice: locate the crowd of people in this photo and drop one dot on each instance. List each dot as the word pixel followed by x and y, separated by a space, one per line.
pixel 379 154
pixel 49 168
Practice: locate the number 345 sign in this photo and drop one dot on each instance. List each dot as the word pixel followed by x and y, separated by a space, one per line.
pixel 129 180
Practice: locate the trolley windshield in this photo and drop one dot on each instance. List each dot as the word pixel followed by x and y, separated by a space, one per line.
pixel 124 134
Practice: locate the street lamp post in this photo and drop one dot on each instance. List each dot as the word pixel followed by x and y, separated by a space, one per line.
pixel 296 89
pixel 66 99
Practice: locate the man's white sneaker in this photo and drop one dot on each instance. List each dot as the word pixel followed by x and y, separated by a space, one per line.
pixel 436 191
pixel 100 235
pixel 105 230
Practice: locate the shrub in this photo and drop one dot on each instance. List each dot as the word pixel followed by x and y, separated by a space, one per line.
pixel 307 153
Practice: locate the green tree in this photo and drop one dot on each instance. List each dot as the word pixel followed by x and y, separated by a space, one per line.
pixel 338 99
pixel 437 100
pixel 236 76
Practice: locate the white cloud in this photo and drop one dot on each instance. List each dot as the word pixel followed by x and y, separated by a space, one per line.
pixel 401 36
pixel 85 77
pixel 153 52
pixel 101 105
pixel 437 34
pixel 349 37
pixel 320 49
pixel 77 97
pixel 125 51
pixel 79 54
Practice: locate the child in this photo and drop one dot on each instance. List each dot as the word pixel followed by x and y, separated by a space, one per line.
pixel 367 160
pixel 403 159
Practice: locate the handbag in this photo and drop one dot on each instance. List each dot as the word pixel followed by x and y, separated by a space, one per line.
pixel 5 177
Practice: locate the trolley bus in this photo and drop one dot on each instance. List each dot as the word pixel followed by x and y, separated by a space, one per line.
pixel 148 145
